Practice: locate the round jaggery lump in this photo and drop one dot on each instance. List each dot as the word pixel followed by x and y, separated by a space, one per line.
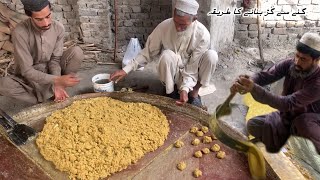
pixel 195 142
pixel 197 173
pixel 221 154
pixel 207 139
pixel 198 154
pixel 215 148
pixel 94 138
pixel 194 129
pixel 199 133
pixel 205 150
pixel 181 166
pixel 204 129
pixel 178 144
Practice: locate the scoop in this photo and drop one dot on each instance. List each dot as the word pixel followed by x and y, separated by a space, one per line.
pixel 255 157
pixel 18 133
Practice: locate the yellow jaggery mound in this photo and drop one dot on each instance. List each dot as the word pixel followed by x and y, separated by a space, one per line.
pixel 255 108
pixel 93 138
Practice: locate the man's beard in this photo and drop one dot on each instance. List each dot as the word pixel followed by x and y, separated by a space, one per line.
pixel 299 73
pixel 182 33
pixel 45 27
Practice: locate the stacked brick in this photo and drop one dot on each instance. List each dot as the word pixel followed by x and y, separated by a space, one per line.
pixel 66 12
pixel 95 22
pixel 137 18
pixel 280 29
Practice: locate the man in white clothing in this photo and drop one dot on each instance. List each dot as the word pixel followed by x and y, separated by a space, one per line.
pixel 185 58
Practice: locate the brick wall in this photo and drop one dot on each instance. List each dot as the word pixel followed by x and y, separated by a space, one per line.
pixel 135 18
pixel 94 20
pixel 138 18
pixel 278 30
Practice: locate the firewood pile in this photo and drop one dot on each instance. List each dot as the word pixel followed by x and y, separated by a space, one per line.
pixel 8 20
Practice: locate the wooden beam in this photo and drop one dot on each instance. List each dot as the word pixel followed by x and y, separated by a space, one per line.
pixel 4 28
pixel 4 37
pixel 1 44
pixel 281 165
pixel 5 61
pixel 8 46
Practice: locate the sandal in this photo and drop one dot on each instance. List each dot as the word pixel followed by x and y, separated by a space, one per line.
pixel 195 101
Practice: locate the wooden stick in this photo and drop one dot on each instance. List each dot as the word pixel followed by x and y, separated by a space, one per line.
pixel 7 68
pixel 2 72
pixel 2 61
pixel 262 61
pixel 107 63
pixel 86 45
pixel 93 51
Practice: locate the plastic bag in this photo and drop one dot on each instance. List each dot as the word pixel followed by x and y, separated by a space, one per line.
pixel 132 51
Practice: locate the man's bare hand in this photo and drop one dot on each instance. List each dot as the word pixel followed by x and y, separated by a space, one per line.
pixel 66 81
pixel 118 75
pixel 183 98
pixel 243 84
pixel 60 94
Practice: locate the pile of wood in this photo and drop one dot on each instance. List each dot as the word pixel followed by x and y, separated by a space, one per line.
pixel 8 20
pixel 90 50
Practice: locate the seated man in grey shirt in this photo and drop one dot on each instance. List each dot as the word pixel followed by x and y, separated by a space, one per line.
pixel 42 69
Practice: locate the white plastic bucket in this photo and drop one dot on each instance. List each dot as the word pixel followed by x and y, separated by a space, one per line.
pixel 101 83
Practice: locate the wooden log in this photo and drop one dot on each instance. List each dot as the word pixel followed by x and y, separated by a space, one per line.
pixel 8 13
pixel 3 18
pixel 8 46
pixel 4 37
pixel 5 61
pixel 86 45
pixel 12 24
pixel 4 28
pixel 3 52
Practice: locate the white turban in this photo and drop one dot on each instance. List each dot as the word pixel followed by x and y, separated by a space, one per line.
pixel 187 6
pixel 312 40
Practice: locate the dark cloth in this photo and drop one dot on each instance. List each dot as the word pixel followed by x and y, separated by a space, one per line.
pixel 274 131
pixel 298 105
pixel 34 5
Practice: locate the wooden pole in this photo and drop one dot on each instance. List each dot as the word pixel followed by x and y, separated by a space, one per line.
pixel 115 31
pixel 262 61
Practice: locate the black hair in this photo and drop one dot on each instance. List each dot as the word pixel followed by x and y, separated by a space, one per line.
pixel 29 13
pixel 308 50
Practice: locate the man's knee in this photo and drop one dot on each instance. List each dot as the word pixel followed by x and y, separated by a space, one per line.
pixel 210 57
pixel 7 86
pixel 11 88
pixel 71 60
pixel 76 53
pixel 255 126
pixel 167 57
pixel 306 125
